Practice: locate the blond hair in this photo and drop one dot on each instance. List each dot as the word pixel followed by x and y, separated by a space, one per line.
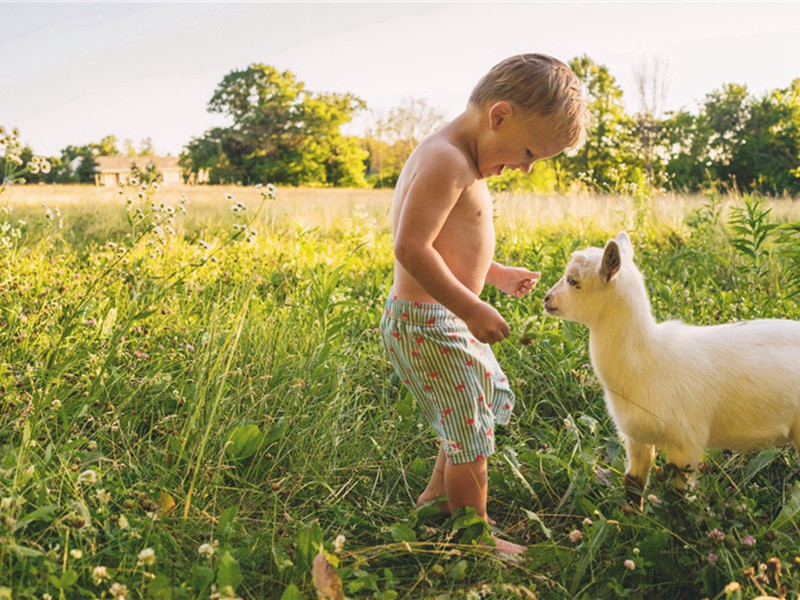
pixel 540 85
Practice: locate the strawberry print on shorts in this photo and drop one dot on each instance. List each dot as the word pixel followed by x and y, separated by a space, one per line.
pixel 455 379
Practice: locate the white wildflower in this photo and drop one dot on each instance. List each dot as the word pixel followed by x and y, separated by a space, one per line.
pixel 123 522
pixel 147 557
pixel 99 575
pixel 118 591
pixel 206 550
pixel 88 477
pixel 338 544
pixel 75 553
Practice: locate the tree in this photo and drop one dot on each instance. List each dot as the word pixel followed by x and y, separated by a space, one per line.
pixel 392 137
pixel 281 133
pixel 608 158
pixel 650 78
pixel 767 159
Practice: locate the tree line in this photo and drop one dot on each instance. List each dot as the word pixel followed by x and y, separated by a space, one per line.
pixel 284 133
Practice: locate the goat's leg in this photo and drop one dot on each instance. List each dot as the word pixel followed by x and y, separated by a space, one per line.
pixel 683 464
pixel 640 459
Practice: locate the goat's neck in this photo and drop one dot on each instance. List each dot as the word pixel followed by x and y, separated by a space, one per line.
pixel 622 336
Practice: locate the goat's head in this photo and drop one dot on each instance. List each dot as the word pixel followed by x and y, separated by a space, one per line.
pixel 589 282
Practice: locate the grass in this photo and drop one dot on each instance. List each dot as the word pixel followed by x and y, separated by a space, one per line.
pixel 227 405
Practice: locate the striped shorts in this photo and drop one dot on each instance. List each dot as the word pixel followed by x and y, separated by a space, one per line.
pixel 455 379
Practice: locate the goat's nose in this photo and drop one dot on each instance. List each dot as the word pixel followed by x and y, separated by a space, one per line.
pixel 547 298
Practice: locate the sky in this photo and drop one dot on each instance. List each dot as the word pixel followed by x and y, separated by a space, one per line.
pixel 72 73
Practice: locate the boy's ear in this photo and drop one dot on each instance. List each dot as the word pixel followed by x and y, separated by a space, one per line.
pixel 499 112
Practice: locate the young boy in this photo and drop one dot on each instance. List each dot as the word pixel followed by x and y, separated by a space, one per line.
pixel 436 328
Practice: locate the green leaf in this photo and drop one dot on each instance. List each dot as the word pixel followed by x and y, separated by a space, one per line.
pixel 292 593
pixel 402 533
pixel 228 572
pixel 202 577
pixel 244 442
pixel 535 518
pixel 44 513
pixel 160 587
pixel 225 519
pixel 25 551
pixel 789 513
pixel 308 541
pixel 281 558
pixel 457 571
pixel 275 432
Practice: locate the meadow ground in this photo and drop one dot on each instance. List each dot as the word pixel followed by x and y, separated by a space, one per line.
pixel 194 401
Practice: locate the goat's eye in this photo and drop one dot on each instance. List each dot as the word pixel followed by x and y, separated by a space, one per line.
pixel 573 282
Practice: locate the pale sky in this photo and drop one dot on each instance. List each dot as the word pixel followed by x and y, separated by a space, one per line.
pixel 74 72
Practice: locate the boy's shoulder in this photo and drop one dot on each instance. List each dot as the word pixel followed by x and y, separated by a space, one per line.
pixel 440 155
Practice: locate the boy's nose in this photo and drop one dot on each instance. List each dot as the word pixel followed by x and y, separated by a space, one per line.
pixel 525 167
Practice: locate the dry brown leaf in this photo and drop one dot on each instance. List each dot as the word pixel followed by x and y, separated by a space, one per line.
pixel 326 580
pixel 165 502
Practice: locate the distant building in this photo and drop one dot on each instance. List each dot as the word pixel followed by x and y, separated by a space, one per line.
pixel 113 170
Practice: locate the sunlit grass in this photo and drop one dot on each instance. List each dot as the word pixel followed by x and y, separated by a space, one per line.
pixel 180 434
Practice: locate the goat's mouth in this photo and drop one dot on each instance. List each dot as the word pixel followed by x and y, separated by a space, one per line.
pixel 550 310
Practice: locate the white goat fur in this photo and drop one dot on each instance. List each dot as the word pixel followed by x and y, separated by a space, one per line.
pixel 677 387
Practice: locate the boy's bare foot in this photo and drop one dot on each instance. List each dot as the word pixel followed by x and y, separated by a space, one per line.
pixel 427 497
pixel 506 547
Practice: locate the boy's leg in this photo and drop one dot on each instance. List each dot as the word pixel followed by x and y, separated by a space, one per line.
pixel 435 487
pixel 467 484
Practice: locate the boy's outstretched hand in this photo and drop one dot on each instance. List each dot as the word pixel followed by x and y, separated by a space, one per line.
pixel 486 324
pixel 516 281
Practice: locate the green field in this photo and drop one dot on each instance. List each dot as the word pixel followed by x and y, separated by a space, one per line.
pixel 195 410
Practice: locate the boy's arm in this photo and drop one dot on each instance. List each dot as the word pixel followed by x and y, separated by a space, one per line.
pixel 515 281
pixel 429 200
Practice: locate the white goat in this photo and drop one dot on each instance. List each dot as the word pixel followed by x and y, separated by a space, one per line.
pixel 673 386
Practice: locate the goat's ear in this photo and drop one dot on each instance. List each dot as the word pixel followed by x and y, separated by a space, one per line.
pixel 624 242
pixel 611 261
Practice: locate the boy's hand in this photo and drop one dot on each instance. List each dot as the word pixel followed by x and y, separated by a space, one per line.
pixel 486 324
pixel 516 281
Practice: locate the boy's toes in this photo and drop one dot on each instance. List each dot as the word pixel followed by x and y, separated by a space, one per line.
pixel 506 547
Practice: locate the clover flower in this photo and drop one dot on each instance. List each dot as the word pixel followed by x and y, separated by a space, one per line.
pixel 206 550
pixel 338 544
pixel 712 558
pixel 575 536
pixel 75 553
pixel 749 541
pixel 716 536
pixel 629 564
pixel 118 591
pixel 99 575
pixel 146 557
pixel 88 477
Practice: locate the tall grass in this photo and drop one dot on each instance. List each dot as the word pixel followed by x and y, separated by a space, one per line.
pixel 234 417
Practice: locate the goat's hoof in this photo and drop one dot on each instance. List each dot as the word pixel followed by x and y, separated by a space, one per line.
pixel 634 490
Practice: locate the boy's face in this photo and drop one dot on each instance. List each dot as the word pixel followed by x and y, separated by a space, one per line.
pixel 516 140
